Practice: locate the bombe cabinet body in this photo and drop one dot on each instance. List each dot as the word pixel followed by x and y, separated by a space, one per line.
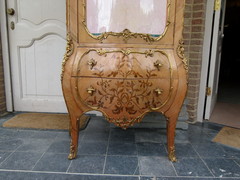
pixel 124 66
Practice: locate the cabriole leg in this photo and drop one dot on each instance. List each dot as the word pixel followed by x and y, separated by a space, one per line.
pixel 171 126
pixel 74 138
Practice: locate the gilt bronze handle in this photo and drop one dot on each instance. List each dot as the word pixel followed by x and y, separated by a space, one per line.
pixel 92 63
pixel 91 90
pixel 158 65
pixel 158 91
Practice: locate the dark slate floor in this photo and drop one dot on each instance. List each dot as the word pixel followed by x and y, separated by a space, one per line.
pixel 109 153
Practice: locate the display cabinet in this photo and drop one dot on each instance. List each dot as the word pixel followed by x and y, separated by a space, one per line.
pixel 124 58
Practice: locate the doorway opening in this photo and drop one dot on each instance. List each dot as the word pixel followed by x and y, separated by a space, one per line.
pixel 227 108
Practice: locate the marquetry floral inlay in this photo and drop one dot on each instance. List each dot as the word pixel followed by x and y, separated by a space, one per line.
pixel 125 90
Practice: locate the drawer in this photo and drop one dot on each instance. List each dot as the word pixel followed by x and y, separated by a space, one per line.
pixel 115 63
pixel 124 96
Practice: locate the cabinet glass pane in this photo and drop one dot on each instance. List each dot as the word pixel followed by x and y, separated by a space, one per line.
pixel 138 16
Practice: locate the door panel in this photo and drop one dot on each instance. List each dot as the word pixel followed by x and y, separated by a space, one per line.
pixel 40 11
pixel 37 64
pixel 37 45
pixel 215 59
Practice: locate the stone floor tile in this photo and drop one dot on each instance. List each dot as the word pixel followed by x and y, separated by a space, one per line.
pixel 122 148
pixel 223 167
pixel 97 124
pixel 53 162
pixel 125 165
pixel 156 166
pixel 87 164
pixel 45 134
pixel 95 148
pixel 148 135
pixel 191 167
pixel 209 150
pixel 96 136
pixel 182 136
pixel 53 176
pixel 237 161
pixel 120 135
pixel 64 135
pixel 185 150
pixel 151 149
pixel 59 146
pixel 231 152
pixel 21 161
pixel 35 145
pixel 10 145
pixel 3 156
pixel 183 178
pixel 25 133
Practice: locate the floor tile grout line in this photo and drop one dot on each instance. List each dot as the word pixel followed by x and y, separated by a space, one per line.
pixel 165 147
pixel 238 164
pixel 7 158
pixel 203 161
pixel 67 171
pixel 108 142
pixel 10 154
pixel 38 160
pixel 69 142
pixel 114 175
pixel 138 165
pixel 79 143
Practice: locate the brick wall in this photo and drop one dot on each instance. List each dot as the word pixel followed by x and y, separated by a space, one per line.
pixel 193 35
pixel 2 91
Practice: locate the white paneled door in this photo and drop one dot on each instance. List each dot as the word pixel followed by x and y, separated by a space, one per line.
pixel 215 58
pixel 37 44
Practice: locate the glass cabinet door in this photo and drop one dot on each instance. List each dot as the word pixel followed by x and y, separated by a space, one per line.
pixel 138 16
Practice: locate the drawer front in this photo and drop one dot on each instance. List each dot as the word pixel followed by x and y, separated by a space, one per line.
pixel 115 63
pixel 121 98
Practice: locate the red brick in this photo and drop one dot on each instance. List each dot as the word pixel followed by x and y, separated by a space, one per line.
pixel 193 87
pixel 197 21
pixel 189 2
pixel 198 35
pixel 196 49
pixel 188 8
pixel 193 81
pixel 194 62
pixel 198 14
pixel 187 15
pixel 192 107
pixel 198 7
pixel 186 35
pixel 197 29
pixel 197 42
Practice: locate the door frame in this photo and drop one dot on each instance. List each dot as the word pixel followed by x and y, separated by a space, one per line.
pixel 205 59
pixel 207 51
pixel 6 56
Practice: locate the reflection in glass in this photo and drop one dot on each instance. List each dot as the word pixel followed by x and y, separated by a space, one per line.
pixel 138 16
